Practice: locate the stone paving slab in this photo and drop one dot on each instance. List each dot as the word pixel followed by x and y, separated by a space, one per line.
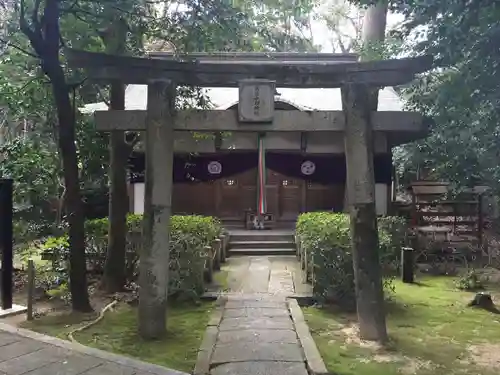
pixel 255 312
pixel 111 369
pixel 19 348
pixel 234 304
pixel 73 364
pixel 6 338
pixel 248 351
pixel 32 361
pixel 229 324
pixel 260 368
pixel 287 336
pixel 23 352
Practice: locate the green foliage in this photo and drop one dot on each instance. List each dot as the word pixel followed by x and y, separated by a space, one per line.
pixel 461 95
pixel 26 99
pixel 471 281
pixel 33 167
pixel 326 238
pixel 392 234
pixel 188 237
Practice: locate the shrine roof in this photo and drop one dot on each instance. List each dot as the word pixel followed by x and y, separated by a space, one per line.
pixel 298 71
pixel 258 57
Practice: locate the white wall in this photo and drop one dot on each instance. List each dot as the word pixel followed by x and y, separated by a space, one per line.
pixel 381 204
pixel 138 189
pixel 381 198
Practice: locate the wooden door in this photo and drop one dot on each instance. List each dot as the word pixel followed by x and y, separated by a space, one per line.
pixel 195 198
pixel 321 197
pixel 236 194
pixel 290 198
pixel 272 192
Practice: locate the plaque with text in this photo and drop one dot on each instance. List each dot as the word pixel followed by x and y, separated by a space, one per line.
pixel 256 100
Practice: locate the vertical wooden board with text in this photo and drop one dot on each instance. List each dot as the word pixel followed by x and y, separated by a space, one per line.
pixel 256 100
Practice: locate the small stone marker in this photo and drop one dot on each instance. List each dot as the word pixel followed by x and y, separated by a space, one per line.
pixel 256 102
pixel 31 289
pixel 407 275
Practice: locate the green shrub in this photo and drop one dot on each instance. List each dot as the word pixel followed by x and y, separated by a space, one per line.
pixel 326 237
pixel 188 237
pixel 471 281
pixel 392 236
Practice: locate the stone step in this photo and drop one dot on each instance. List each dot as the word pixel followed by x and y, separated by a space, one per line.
pixel 261 236
pixel 261 252
pixel 261 244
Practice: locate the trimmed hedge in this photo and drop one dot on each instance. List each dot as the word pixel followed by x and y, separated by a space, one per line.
pixel 188 237
pixel 325 244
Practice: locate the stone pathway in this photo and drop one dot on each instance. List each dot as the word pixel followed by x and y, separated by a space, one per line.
pixel 257 336
pixel 275 275
pixel 23 352
pixel 256 331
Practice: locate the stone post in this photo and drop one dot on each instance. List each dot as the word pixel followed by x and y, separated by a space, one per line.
pixel 217 246
pixel 6 243
pixel 223 239
pixel 154 258
pixel 209 278
pixel 407 275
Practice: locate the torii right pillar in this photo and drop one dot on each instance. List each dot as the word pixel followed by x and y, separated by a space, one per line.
pixel 362 210
pixel 358 102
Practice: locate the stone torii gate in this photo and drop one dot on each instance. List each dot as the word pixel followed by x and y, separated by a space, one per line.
pixel 160 121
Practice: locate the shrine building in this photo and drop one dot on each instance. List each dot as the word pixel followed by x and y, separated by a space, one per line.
pixel 219 174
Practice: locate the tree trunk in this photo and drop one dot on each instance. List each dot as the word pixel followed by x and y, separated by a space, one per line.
pixel 48 50
pixel 76 220
pixel 114 268
pixel 373 35
pixel 374 24
pixel 358 101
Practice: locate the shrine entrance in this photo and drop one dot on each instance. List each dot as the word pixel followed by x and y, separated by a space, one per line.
pixel 225 184
pixel 229 198
pixel 257 79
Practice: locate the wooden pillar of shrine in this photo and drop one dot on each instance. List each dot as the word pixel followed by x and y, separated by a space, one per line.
pixel 154 258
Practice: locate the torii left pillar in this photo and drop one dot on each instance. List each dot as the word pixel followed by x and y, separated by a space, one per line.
pixel 155 255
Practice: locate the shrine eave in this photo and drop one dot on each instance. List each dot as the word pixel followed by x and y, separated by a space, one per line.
pixel 224 73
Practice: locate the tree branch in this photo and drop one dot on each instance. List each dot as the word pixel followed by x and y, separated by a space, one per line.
pixel 50 24
pixel 35 18
pixel 7 43
pixel 35 38
pixel 22 87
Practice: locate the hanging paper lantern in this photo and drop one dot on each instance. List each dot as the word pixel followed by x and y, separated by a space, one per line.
pixel 307 168
pixel 214 167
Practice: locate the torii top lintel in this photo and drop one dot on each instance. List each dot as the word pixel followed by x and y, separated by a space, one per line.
pixel 304 72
